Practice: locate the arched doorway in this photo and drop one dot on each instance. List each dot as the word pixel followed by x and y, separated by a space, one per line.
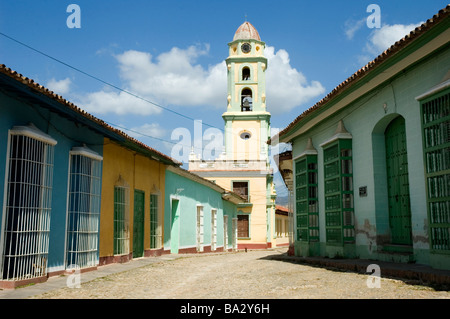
pixel 398 182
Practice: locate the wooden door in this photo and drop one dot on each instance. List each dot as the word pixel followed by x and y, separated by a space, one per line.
pixel 138 224
pixel 398 182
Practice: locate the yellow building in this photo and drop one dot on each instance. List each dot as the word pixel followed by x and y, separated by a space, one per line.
pixel 132 201
pixel 282 228
pixel 244 166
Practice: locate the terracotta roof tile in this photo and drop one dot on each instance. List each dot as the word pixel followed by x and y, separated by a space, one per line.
pixel 41 89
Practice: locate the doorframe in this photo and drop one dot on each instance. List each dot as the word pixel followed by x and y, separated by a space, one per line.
pixel 410 241
pixel 174 244
pixel 380 184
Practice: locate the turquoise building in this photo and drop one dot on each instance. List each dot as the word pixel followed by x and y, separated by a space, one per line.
pixel 200 216
pixel 370 163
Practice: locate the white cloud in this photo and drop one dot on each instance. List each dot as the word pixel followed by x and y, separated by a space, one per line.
pixel 286 86
pixel 60 87
pixel 382 38
pixel 175 78
pixel 147 129
pixel 120 103
pixel 352 26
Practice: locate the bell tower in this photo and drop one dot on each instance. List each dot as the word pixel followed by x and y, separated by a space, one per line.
pixel 247 123
pixel 244 166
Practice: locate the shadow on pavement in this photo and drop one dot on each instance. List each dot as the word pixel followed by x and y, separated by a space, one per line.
pixel 411 274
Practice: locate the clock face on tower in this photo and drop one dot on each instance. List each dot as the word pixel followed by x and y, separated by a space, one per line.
pixel 246 47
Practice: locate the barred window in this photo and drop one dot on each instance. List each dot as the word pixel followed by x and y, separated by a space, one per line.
pixel 338 180
pixel 307 198
pixel 83 207
pixel 121 218
pixel 155 233
pixel 436 143
pixel 28 188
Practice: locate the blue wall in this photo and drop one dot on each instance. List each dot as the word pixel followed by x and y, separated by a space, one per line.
pixel 68 134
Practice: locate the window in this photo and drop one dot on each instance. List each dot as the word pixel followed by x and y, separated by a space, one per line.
pixel 243 226
pixel 121 218
pixel 27 207
pixel 436 143
pixel 245 135
pixel 225 232
pixel 241 188
pixel 245 73
pixel 234 233
pixel 199 228
pixel 307 209
pixel 338 180
pixel 83 207
pixel 155 234
pixel 213 229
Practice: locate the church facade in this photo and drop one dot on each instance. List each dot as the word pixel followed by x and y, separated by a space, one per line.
pixel 244 165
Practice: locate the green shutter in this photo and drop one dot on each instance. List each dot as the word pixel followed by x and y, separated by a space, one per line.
pixel 307 212
pixel 436 143
pixel 338 183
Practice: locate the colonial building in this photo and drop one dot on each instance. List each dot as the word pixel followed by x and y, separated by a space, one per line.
pixel 51 170
pixel 244 166
pixel 132 201
pixel 370 162
pixel 200 216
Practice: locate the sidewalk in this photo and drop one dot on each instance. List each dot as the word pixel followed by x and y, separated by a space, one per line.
pixel 58 282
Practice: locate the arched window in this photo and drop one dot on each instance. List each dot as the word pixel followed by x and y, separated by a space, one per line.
pixel 246 100
pixel 245 73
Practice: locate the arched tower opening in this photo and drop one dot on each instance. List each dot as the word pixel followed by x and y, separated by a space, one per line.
pixel 246 100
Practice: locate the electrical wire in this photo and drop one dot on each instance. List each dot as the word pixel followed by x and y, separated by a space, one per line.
pixel 121 90
pixel 102 81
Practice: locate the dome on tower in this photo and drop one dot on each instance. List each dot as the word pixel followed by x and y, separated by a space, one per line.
pixel 246 32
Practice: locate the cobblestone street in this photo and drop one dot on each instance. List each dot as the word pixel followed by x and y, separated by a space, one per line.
pixel 251 274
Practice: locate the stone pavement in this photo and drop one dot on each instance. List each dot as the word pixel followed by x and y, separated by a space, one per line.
pixel 415 274
pixel 58 282
pixel 407 271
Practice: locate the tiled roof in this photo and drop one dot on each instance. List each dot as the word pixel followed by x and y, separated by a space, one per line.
pixel 281 208
pixel 392 50
pixel 37 88
pixel 246 31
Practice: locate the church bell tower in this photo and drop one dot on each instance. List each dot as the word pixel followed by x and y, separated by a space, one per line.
pixel 244 165
pixel 247 123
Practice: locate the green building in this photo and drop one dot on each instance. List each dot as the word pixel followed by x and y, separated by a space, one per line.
pixel 200 216
pixel 370 162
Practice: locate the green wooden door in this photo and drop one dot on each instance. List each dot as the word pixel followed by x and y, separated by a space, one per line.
pixel 138 224
pixel 398 183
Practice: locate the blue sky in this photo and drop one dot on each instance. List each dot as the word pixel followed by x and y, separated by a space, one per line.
pixel 172 53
